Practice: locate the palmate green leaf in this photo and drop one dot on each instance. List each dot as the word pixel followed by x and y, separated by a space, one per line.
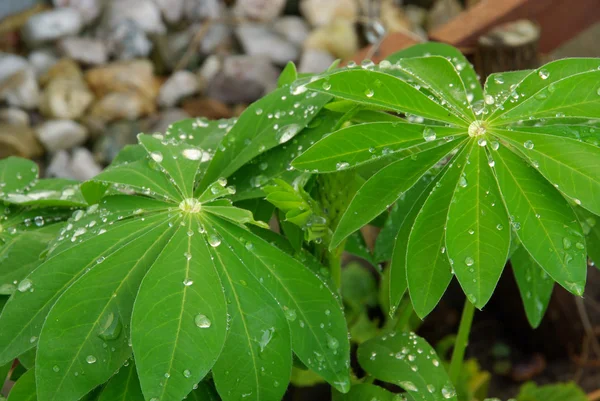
pixel 364 391
pixel 384 91
pixel 568 87
pixel 189 315
pixel 24 388
pixel 461 64
pixel 408 361
pixel 123 386
pixel 571 165
pixel 534 285
pixel 478 230
pixel 267 123
pixel 276 163
pixel 16 174
pixel 257 360
pixel 363 143
pixel 385 187
pixel 317 324
pixel 545 223
pixel 498 85
pixel 428 269
pixel 411 204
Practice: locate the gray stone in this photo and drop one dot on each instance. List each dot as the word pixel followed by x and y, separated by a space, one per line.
pixel 217 36
pixel 179 85
pixel 42 59
pixel 172 10
pixel 89 9
pixel 203 9
pixel 243 79
pixel 258 40
pixel 85 50
pixel 259 10
pixel 13 7
pixel 315 61
pixel 168 117
pixel 59 165
pixel 10 63
pixel 145 13
pixel 293 28
pixel 319 12
pixel 127 40
pixel 21 89
pixel 83 165
pixel 57 135
pixel 51 25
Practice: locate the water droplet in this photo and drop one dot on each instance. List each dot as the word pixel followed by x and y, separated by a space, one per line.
pixel 476 128
pixel 24 285
pixel 495 145
pixel 214 240
pixel 326 85
pixel 265 339
pixel 202 321
pixel 187 255
pixel 499 79
pixel 369 92
pixel 448 391
pixel 187 282
pixel 258 111
pixel 481 142
pixel 39 221
pixel 290 314
pixel 431 388
pixel 499 227
pixel 429 134
pixel 332 342
pixel 191 154
pixel 342 165
pixel 462 181
pixel 528 144
pixel 90 359
pixel 489 99
pixel 156 156
pixel 110 328
pixel 544 74
pixel 187 373
pixel 408 386
pixel 469 261
pixel 55 368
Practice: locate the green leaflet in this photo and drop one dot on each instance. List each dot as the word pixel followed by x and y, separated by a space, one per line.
pixel 16 174
pixel 591 229
pixel 267 123
pixel 571 165
pixel 534 285
pixel 478 230
pixel 408 361
pixel 24 388
pixel 288 75
pixel 385 91
pixel 363 143
pixel 363 391
pixel 452 54
pixel 538 86
pixel 428 269
pixel 383 188
pixel 123 386
pixel 498 86
pixel 543 220
pixel 178 337
pixel 317 323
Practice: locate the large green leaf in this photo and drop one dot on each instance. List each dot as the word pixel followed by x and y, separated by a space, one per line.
pixel 461 64
pixel 16 174
pixel 123 386
pixel 24 388
pixel 543 220
pixel 364 392
pixel 408 361
pixel 534 285
pixel 385 91
pixel 364 143
pixel 478 230
pixel 428 269
pixel 387 185
pixel 178 337
pixel 269 122
pixel 498 86
pixel 571 165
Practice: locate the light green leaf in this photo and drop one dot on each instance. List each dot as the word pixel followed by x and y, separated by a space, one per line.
pixel 385 91
pixel 179 318
pixel 591 229
pixel 534 285
pixel 571 165
pixel 543 220
pixel 265 124
pixel 288 75
pixel 428 270
pixel 317 324
pixel 498 85
pixel 408 361
pixel 178 160
pixel 363 143
pixel 478 230
pixel 385 187
pixel 364 392
pixel 123 386
pixel 16 174
pixel 461 64
pixel 566 87
pixel 24 388
pixel 256 361
pixel 48 192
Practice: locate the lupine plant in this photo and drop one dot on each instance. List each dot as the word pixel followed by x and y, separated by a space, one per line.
pixel 205 262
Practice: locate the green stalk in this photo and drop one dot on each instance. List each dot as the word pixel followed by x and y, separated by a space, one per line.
pixel 334 259
pixel 462 339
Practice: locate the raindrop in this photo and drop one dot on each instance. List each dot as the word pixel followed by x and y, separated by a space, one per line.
pixel 24 285
pixel 111 328
pixel 408 386
pixel 495 145
pixel 188 255
pixel 448 392
pixel 481 142
pixel 156 156
pixel 191 154
pixel 265 339
pixel 332 342
pixel 499 79
pixel 489 99
pixel 202 321
pixel 90 359
pixel 429 134
pixel 528 144
pixel 544 74
pixel 369 93
pixel 566 243
pixel 214 240
pixel 187 373
pixel 187 282
pixel 290 314
pixel 326 85
pixel 499 227
pixel 469 261
pixel 55 368
pixel 39 221
pixel 342 165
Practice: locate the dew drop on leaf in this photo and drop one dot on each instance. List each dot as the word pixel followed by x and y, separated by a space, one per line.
pixel 156 156
pixel 191 154
pixel 24 285
pixel 111 327
pixel 214 240
pixel 544 74
pixel 408 386
pixel 528 145
pixel 369 92
pixel 448 392
pixel 90 359
pixel 187 373
pixel 469 261
pixel 342 165
pixel 202 321
pixel 290 314
pixel 429 134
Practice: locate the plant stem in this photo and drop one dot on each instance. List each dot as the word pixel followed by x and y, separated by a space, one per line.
pixel 335 267
pixel 462 340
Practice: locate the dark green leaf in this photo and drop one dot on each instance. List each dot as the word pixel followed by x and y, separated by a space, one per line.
pixel 364 392
pixel 24 388
pixel 123 386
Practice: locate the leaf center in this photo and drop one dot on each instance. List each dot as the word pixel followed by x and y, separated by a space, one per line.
pixel 477 128
pixel 190 205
